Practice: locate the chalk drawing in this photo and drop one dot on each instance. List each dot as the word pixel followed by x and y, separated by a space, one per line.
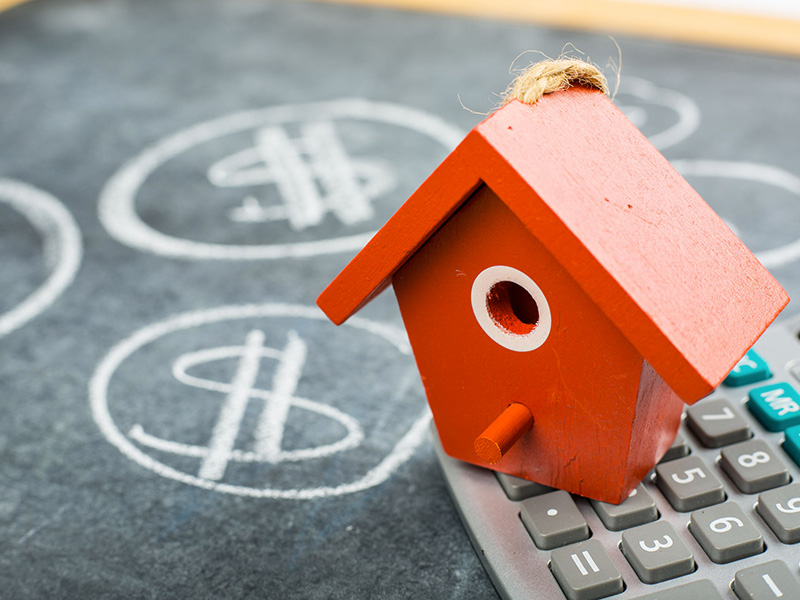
pixel 346 185
pixel 61 246
pixel 277 403
pixel 215 457
pixel 757 173
pixel 684 107
pixel 313 175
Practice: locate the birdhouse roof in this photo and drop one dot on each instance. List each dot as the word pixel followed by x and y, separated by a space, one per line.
pixel 649 251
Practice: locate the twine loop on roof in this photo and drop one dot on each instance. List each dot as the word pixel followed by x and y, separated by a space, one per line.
pixel 550 76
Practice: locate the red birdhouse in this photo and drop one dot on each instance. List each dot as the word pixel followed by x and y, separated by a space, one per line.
pixel 565 292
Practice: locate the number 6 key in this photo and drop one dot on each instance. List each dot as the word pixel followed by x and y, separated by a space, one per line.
pixel 725 533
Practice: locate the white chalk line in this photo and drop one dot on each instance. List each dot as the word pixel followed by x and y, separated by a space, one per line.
pixel 296 179
pixel 402 451
pixel 251 211
pixel 62 247
pixel 375 179
pixel 345 196
pixel 272 423
pixel 226 430
pixel 98 387
pixel 199 357
pixel 31 532
pixel 303 202
pixel 688 112
pixel 352 438
pixel 758 173
pixel 117 210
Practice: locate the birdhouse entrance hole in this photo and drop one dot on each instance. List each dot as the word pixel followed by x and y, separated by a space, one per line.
pixel 510 308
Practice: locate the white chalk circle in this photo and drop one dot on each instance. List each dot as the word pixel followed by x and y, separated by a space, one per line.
pixel 117 204
pixel 684 107
pixel 758 173
pixel 98 398
pixel 61 246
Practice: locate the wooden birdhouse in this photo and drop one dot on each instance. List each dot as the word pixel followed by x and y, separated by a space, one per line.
pixel 565 292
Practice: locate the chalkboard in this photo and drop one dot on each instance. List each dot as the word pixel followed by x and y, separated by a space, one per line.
pixel 178 182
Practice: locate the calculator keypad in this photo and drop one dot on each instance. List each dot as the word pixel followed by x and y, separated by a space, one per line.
pixel 708 523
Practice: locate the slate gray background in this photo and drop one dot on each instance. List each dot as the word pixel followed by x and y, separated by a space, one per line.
pixel 85 87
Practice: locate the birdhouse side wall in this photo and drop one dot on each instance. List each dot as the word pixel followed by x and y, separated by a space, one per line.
pixel 655 425
pixel 581 383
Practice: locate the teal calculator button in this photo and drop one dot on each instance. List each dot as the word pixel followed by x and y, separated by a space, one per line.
pixel 750 369
pixel 776 406
pixel 791 443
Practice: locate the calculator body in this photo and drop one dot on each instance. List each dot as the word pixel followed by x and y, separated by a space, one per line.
pixel 737 539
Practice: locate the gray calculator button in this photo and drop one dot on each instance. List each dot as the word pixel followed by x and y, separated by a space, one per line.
pixel 780 509
pixel 753 466
pixel 689 484
pixel 636 509
pixel 725 533
pixel 656 552
pixel 716 423
pixel 767 581
pixel 517 488
pixel 585 572
pixel 678 449
pixel 553 520
pixel 697 590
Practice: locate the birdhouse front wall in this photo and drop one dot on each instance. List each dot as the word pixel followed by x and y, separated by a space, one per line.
pixel 494 319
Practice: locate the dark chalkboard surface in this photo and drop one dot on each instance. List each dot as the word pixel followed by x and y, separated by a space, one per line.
pixel 178 181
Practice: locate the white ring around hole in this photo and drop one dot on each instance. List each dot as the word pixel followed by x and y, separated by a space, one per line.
pixel 513 341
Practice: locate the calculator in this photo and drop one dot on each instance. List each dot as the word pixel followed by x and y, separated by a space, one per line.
pixel 717 519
